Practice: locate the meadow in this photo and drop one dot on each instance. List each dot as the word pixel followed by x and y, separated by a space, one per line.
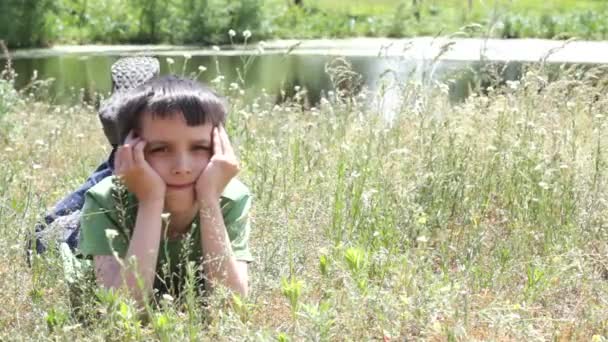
pixel 479 220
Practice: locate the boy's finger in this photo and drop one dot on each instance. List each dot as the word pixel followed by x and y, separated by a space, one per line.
pixel 226 145
pixel 130 137
pixel 217 144
pixel 118 160
pixel 138 152
pixel 128 156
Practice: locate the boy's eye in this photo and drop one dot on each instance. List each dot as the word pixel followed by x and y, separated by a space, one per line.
pixel 159 149
pixel 202 148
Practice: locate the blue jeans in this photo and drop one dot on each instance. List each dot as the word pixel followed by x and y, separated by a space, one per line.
pixel 71 203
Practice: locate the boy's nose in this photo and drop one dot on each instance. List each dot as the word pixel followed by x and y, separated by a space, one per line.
pixel 182 165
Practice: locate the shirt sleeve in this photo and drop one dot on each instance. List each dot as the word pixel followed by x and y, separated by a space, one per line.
pixel 99 232
pixel 238 225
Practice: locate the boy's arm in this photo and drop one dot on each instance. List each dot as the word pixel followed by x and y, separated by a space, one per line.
pixel 142 253
pixel 219 263
pixel 139 263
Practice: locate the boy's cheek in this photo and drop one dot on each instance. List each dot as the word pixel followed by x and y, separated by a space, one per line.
pixel 156 165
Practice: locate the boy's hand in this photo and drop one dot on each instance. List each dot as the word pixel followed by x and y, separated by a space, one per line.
pixel 222 167
pixel 136 173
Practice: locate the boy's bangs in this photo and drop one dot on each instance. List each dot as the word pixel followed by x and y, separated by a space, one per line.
pixel 195 111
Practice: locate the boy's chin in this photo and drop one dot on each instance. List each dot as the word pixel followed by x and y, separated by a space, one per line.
pixel 181 203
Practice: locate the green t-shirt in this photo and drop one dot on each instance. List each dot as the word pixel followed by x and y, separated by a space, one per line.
pixel 108 217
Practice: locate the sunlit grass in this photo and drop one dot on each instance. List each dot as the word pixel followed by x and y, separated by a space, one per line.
pixel 386 6
pixel 480 220
pixel 405 18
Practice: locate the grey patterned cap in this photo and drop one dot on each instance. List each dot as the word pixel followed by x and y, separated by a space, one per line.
pixel 127 73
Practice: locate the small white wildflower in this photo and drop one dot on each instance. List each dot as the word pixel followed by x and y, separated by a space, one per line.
pixel 599 116
pixel 39 142
pixel 399 151
pixel 79 135
pixel 165 216
pixel 201 68
pixel 170 60
pixel 215 48
pixel 111 234
pixel 367 197
pixel 231 33
pixel 296 88
pixel 245 114
pixel 167 297
pixel 513 84
pixel 262 44
pixel 246 34
pixel 187 56
pixel 543 185
pixel 234 86
pixel 36 166
pixel 9 149
pixel 218 79
pixel 422 239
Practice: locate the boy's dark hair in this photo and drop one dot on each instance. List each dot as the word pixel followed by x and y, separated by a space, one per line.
pixel 166 96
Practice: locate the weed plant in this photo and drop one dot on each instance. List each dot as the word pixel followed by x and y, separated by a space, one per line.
pixel 481 220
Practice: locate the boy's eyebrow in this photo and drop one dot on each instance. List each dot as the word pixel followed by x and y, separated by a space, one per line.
pixel 203 141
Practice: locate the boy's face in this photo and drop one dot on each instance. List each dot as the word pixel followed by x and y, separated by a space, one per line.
pixel 178 153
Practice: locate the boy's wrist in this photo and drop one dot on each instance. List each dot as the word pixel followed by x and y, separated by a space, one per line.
pixel 152 204
pixel 207 200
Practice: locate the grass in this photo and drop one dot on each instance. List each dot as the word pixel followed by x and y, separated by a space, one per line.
pixel 499 18
pixel 385 6
pixel 482 220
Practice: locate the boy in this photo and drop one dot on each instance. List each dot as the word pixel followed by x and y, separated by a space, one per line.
pixel 176 161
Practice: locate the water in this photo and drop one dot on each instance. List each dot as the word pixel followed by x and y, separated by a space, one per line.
pixel 82 72
pixel 81 77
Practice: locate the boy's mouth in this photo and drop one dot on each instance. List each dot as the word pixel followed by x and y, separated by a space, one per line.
pixel 179 186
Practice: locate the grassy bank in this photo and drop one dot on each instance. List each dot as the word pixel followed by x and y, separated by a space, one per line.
pixel 46 22
pixel 561 19
pixel 480 220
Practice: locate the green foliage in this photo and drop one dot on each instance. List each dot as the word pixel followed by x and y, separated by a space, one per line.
pixel 292 290
pixel 24 23
pixel 585 25
pixel 57 318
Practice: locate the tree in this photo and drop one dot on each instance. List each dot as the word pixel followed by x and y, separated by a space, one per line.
pixel 23 22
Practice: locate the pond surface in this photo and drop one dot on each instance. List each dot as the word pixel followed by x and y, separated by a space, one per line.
pixel 80 77
pixel 82 72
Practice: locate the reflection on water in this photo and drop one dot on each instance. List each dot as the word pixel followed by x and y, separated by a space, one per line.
pixel 82 77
